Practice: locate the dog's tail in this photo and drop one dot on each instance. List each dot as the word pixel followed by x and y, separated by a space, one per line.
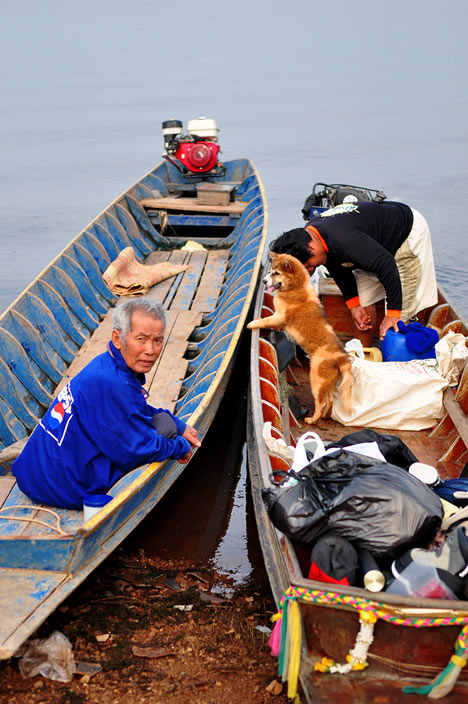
pixel 346 384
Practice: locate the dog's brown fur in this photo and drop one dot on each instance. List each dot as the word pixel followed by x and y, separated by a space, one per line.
pixel 298 311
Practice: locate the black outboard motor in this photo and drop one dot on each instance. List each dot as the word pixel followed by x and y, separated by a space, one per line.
pixel 326 195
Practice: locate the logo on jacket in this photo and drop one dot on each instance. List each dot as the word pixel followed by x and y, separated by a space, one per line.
pixel 57 414
pixel 340 209
pixel 56 421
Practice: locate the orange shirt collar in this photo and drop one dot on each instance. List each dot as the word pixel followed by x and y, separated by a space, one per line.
pixel 311 228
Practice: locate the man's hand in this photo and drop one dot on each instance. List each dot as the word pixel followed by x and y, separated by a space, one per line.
pixel 191 435
pixel 361 319
pixel 390 321
pixel 185 458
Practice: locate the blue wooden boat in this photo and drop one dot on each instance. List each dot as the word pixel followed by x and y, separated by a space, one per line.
pixel 414 638
pixel 61 321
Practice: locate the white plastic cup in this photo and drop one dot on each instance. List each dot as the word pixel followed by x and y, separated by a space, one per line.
pixel 425 473
pixel 92 504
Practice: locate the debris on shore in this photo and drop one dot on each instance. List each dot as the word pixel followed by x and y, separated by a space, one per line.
pixel 149 630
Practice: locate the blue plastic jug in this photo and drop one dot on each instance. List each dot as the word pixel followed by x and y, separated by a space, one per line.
pixel 394 349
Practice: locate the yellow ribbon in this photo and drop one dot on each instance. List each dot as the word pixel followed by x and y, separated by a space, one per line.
pixel 457 660
pixel 294 623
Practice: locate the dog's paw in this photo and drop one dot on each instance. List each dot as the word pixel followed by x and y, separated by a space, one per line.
pixel 311 420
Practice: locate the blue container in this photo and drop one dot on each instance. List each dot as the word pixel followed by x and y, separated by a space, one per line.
pixel 394 349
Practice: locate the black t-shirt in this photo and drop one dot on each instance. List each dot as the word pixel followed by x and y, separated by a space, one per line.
pixel 366 236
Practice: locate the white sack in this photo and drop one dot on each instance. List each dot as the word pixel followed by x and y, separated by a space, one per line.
pixel 403 395
pixel 451 354
pixel 393 395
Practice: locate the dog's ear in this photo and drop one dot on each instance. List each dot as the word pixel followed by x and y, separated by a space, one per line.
pixel 288 264
pixel 273 259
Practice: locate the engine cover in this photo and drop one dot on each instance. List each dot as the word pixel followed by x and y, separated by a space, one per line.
pixel 198 156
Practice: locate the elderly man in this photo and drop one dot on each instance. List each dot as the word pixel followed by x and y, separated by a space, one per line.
pixel 373 251
pixel 100 426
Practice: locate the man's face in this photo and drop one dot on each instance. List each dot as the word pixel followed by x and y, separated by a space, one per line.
pixel 318 254
pixel 143 343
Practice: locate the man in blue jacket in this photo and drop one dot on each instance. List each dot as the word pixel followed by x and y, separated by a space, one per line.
pixel 100 426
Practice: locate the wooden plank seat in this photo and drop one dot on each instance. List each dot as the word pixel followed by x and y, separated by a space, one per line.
pixel 191 204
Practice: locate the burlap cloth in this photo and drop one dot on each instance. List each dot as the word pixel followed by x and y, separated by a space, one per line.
pixel 125 276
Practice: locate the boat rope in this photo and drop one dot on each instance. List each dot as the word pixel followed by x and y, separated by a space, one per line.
pixel 408 668
pixel 163 221
pixel 286 637
pixel 57 528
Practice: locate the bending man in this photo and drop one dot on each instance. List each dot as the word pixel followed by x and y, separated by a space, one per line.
pixel 100 426
pixel 373 251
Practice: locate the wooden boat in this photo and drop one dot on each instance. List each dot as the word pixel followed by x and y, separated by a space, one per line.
pixel 62 320
pixel 405 651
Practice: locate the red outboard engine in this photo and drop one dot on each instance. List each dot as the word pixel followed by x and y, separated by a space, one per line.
pixel 196 152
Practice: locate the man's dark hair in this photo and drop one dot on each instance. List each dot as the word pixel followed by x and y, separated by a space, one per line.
pixel 293 242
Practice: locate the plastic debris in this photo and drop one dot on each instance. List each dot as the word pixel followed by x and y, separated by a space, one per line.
pixel 51 657
pixel 263 629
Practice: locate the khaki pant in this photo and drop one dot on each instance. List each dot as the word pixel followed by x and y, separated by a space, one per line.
pixel 415 264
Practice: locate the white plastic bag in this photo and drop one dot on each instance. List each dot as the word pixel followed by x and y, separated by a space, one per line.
pixel 51 657
pixel 393 395
pixel 313 442
pixel 277 446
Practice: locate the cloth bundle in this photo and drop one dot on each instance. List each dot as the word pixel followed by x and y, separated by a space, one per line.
pixel 125 276
pixel 419 339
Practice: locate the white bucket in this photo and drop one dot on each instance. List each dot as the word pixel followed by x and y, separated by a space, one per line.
pixel 425 473
pixel 93 503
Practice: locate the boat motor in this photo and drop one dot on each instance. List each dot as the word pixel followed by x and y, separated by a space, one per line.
pixel 328 195
pixel 196 152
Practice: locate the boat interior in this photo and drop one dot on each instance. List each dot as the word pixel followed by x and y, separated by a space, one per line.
pixel 286 396
pixel 186 298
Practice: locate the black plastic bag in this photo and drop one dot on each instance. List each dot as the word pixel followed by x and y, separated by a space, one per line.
pixel 375 505
pixel 391 446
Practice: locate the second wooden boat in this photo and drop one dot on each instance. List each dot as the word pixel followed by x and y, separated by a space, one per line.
pixel 412 641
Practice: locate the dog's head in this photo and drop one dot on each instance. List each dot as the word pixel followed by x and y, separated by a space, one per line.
pixel 286 273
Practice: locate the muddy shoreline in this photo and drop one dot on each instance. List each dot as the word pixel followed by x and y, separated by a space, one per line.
pixel 173 614
pixel 158 631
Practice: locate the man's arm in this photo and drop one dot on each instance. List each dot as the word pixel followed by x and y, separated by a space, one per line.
pixel 122 428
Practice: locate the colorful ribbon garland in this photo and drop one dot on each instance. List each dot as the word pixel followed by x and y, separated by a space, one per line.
pixel 289 622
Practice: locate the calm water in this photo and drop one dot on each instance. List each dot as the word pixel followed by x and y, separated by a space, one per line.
pixel 373 94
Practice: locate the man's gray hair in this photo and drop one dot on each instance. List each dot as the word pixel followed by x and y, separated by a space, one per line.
pixel 122 313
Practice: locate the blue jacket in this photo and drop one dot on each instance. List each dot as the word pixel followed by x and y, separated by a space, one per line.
pixel 97 429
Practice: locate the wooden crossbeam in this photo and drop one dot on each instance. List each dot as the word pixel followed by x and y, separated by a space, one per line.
pixel 191 204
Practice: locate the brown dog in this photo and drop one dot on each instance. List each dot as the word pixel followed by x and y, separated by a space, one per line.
pixel 298 311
